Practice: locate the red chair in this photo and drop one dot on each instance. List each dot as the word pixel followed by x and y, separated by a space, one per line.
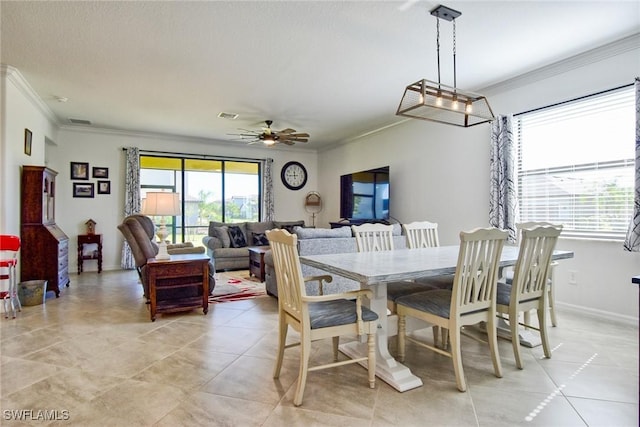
pixel 9 247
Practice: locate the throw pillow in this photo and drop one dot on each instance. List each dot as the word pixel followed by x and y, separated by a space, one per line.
pixel 237 237
pixel 260 239
pixel 222 233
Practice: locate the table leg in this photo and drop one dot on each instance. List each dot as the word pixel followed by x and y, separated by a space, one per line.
pixel 387 368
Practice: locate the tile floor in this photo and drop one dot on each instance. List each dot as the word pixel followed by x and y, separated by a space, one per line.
pixel 93 358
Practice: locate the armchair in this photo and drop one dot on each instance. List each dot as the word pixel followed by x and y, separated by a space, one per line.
pixel 138 230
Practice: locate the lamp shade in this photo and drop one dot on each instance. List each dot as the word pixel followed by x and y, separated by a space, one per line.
pixel 161 204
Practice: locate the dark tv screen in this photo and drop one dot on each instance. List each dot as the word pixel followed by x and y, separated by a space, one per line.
pixel 365 194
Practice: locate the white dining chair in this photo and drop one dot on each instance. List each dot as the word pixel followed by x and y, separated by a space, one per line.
pixel 316 317
pixel 373 237
pixel 471 300
pixel 528 289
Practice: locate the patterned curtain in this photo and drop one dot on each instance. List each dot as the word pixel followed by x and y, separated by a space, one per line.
pixel 503 202
pixel 632 241
pixel 268 190
pixel 131 198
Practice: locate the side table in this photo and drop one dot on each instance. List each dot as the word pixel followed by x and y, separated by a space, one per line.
pixel 256 261
pixel 85 239
pixel 178 284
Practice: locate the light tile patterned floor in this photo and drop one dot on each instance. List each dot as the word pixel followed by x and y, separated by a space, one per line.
pixel 93 358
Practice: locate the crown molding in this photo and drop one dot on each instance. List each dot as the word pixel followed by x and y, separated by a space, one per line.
pixel 598 54
pixel 163 136
pixel 14 75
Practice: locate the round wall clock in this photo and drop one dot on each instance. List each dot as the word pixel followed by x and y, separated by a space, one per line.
pixel 294 175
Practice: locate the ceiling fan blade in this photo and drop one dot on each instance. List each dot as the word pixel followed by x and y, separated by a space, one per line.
pixel 287 130
pixel 286 141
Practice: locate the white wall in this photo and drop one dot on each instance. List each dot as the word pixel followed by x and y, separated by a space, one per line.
pixel 20 110
pixel 104 149
pixel 441 173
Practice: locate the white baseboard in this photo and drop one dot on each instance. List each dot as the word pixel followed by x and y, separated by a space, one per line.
pixel 628 320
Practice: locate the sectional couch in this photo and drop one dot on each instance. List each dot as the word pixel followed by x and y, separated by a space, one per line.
pixel 319 241
pixel 227 243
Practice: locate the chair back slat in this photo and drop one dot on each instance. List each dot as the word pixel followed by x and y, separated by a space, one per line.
pixel 474 285
pixel 421 234
pixel 373 237
pixel 532 269
pixel 286 262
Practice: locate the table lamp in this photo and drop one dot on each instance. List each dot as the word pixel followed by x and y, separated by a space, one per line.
pixel 162 204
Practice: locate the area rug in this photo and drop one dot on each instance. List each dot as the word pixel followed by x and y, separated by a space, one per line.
pixel 236 286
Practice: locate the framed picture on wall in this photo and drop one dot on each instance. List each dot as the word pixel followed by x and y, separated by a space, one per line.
pixel 83 190
pixel 27 142
pixel 79 170
pixel 104 187
pixel 100 172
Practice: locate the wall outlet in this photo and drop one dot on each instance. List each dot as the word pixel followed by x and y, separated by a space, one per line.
pixel 572 277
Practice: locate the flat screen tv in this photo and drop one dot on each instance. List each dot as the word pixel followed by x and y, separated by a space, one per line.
pixel 364 195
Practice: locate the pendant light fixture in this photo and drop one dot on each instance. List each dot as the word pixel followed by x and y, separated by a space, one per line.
pixel 436 102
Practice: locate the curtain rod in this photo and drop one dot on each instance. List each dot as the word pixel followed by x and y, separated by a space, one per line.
pixel 573 100
pixel 196 156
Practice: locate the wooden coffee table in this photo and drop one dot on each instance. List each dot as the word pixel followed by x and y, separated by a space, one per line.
pixel 256 261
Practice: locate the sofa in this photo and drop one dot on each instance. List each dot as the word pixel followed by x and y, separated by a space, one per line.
pixel 320 241
pixel 227 243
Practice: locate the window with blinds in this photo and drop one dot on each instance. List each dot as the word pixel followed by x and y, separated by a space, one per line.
pixel 576 164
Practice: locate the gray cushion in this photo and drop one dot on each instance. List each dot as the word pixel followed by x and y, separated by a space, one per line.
pixel 339 312
pixel 434 302
pixel 222 233
pixel 259 227
pixel 314 233
pixel 396 290
pixel 503 296
pixel 437 282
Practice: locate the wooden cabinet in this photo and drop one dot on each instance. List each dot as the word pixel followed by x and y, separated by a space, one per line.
pixel 44 249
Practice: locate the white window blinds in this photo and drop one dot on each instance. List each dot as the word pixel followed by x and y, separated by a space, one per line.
pixel 576 164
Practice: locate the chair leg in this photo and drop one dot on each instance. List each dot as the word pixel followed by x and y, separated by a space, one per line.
pixel 282 340
pixel 436 333
pixel 371 361
pixel 542 319
pixel 402 330
pixel 456 357
pixel 527 319
pixel 552 306
pixel 445 338
pixel 336 344
pixel 305 350
pixel 492 335
pixel 515 338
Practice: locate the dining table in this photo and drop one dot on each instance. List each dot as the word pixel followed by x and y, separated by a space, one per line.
pixel 373 270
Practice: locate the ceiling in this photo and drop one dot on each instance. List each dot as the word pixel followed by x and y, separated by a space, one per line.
pixel 333 69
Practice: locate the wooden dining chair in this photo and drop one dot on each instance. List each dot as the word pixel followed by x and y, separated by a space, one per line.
pixel 528 289
pixel 550 287
pixel 421 234
pixel 471 300
pixel 373 237
pixel 316 317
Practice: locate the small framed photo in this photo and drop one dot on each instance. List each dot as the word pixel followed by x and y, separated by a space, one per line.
pixel 79 170
pixel 104 187
pixel 100 172
pixel 27 142
pixel 83 190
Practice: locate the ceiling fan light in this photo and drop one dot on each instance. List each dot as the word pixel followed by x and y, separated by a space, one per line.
pixel 268 140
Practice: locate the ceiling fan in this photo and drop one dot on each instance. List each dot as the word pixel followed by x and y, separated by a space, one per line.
pixel 270 137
